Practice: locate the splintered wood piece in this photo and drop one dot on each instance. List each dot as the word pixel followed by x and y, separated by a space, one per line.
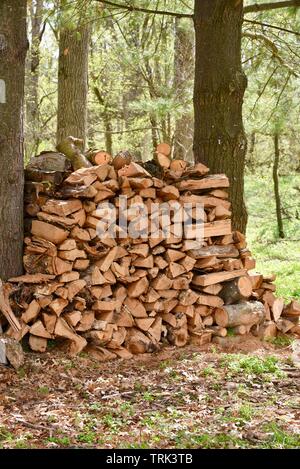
pixel 86 321
pixel 62 221
pixel 188 297
pixel 37 344
pixel 97 278
pixel 249 263
pixel 146 263
pixel 172 255
pixel 138 288
pixel 277 308
pixel 244 313
pixel 267 330
pixel 72 255
pixel 176 269
pixel 6 309
pixel 292 309
pixel 133 170
pixel 137 342
pixel 99 353
pixel 208 182
pixel 31 312
pixel 74 288
pixel 118 338
pixel 58 305
pixel 140 249
pixel 200 338
pixel 188 263
pixel 169 193
pixel 124 319
pixel 213 289
pixel 69 277
pixel 60 266
pixel 62 208
pixel 62 329
pixel 79 217
pixel 135 308
pixel 81 264
pixel 216 277
pixel 218 331
pixel 39 330
pixel 49 232
pixel 72 317
pixel 217 228
pixel 284 325
pixel 144 323
pixel 109 305
pixel 214 250
pixel 105 263
pixel 177 337
pixel 44 301
pixel 162 282
pixel 236 290
pixel 68 245
pixel 208 320
pixel 80 234
pixel 155 330
pixel 210 300
pixel 32 278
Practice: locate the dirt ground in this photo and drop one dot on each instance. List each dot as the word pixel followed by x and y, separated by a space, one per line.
pixel 245 395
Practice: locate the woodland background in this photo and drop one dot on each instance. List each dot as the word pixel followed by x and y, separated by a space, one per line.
pixel 140 92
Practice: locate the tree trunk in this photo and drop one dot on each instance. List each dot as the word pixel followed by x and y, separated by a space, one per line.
pixel 184 65
pixel 276 186
pixel 73 82
pixel 220 83
pixel 32 102
pixel 13 47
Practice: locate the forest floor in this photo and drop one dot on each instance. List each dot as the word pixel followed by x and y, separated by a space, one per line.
pixel 177 398
pixel 275 255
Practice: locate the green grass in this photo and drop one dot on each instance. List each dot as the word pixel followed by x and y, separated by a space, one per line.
pixel 274 255
pixel 252 365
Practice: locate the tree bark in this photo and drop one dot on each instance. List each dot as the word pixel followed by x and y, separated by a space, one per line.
pixel 276 186
pixel 13 47
pixel 73 82
pixel 219 140
pixel 184 64
pixel 32 102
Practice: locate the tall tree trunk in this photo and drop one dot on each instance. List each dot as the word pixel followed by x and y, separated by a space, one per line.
pixel 184 65
pixel 32 101
pixel 73 81
pixel 220 83
pixel 13 47
pixel 276 186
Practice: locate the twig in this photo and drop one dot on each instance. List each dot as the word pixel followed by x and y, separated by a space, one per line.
pixel 271 6
pixel 267 25
pixel 145 10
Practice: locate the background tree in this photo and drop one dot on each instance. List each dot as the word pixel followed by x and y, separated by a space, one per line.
pixel 72 72
pixel 220 83
pixel 13 47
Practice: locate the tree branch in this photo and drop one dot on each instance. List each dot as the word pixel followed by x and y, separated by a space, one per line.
pixel 271 6
pixel 145 10
pixel 267 25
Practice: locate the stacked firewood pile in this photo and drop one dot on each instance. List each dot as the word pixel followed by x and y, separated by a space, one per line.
pixel 113 293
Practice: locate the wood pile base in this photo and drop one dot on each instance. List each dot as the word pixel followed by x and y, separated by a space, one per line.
pixel 118 296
